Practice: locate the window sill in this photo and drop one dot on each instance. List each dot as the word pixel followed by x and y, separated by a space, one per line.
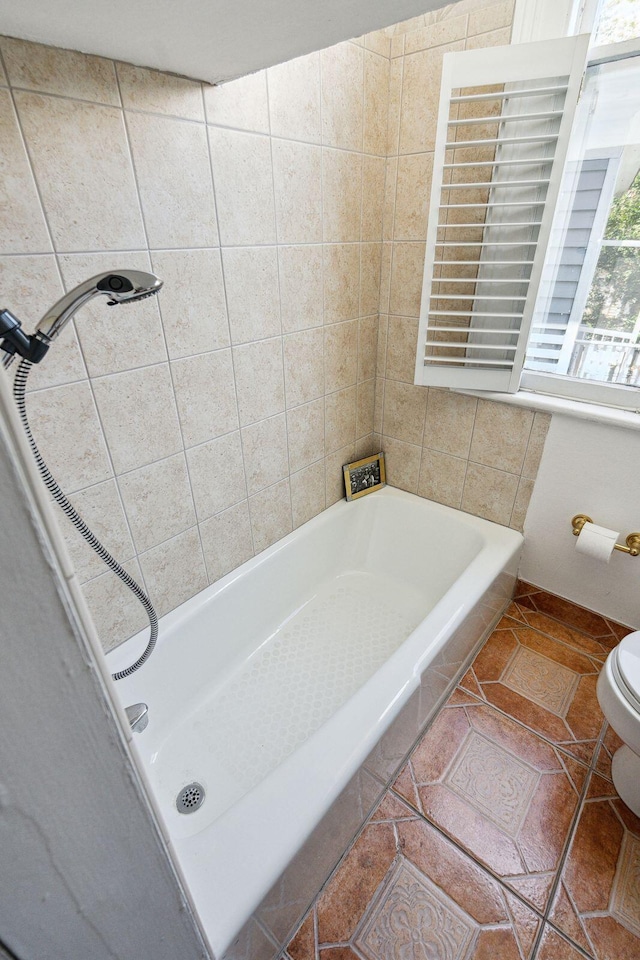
pixel 599 413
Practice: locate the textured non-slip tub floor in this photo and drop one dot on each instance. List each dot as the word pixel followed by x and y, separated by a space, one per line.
pixel 502 838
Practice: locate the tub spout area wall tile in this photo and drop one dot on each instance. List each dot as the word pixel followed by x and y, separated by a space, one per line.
pixel 197 428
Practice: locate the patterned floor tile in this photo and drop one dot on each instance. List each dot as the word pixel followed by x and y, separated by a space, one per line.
pixel 542 682
pixel 600 628
pixel 597 903
pixel 431 901
pixel 497 789
pixel 554 947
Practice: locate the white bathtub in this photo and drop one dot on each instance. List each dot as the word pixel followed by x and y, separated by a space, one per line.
pixel 271 687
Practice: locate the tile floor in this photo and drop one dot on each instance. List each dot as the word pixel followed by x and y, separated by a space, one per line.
pixel 502 837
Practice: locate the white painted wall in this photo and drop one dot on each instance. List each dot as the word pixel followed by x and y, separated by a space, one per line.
pixel 210 40
pixel 590 468
pixel 84 872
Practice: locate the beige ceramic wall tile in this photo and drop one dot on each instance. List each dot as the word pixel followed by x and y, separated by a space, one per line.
pixel 294 99
pixel 30 286
pixel 333 475
pixel 270 512
pixel 101 509
pixel 105 332
pixel 406 279
pixel 397 46
pixel 442 477
pixel 259 380
pixel 381 355
pixel 385 276
pixel 342 195
pixel 378 407
pixel 373 176
pixel 500 436
pixel 216 470
pixel 396 71
pixel 301 287
pixel 401 348
pixel 192 301
pixel 366 447
pixel 23 224
pixel 138 414
pixel 174 571
pixel 405 407
pixel 435 34
pixel 342 100
pixel 340 419
pixel 389 207
pixel 489 493
pixel 116 612
pixel 264 447
pixel 413 196
pixel 535 447
pixel 304 366
pixel 205 395
pixel 67 73
pixel 449 423
pixel 305 428
pixel 370 254
pixel 253 296
pixel 494 39
pixel 367 347
pixel 521 505
pixel 158 502
pixel 157 92
pixel 65 426
pixel 376 93
pixel 172 166
pixel 341 281
pixel 243 178
pixel 240 103
pixel 420 96
pixel 297 176
pixel 81 161
pixel 340 355
pixel 226 540
pixel 491 17
pixel 402 463
pixel 379 42
pixel 307 494
pixel 365 406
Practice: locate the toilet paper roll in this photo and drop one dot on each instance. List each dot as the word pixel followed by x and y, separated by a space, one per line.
pixel 597 542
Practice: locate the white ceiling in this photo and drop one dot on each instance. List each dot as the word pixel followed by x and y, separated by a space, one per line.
pixel 209 40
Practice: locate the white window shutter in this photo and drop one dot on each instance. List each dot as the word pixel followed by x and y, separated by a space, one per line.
pixel 504 124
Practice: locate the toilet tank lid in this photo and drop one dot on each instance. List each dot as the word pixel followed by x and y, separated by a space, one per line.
pixel 629 661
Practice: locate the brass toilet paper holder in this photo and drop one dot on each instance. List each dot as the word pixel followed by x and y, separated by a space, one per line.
pixel 632 541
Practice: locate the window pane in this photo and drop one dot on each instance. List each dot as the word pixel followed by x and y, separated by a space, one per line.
pixel 586 323
pixel 619 20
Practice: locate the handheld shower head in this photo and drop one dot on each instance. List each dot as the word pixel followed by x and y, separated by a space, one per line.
pixel 123 286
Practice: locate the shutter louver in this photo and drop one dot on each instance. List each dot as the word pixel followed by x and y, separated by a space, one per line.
pixel 503 130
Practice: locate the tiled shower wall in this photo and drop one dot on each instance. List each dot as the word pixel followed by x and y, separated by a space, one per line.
pixel 286 213
pixel 471 454
pixel 195 429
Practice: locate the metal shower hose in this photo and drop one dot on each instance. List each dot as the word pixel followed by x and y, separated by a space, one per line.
pixel 19 389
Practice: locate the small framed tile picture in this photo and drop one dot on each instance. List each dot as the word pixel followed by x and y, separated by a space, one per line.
pixel 364 476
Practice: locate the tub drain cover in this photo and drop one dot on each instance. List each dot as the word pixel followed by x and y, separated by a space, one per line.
pixel 190 798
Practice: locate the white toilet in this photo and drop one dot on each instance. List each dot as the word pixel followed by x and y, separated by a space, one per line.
pixel 619 696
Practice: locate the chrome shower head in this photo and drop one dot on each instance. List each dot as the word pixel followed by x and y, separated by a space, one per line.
pixel 122 286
